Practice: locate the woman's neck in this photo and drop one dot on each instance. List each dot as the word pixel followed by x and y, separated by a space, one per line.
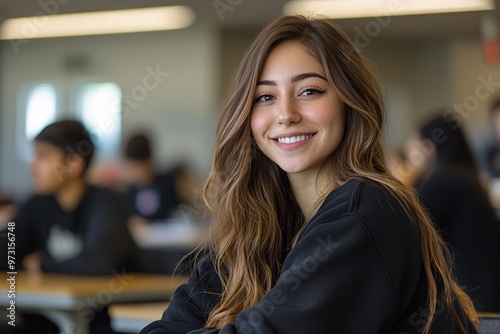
pixel 71 194
pixel 308 188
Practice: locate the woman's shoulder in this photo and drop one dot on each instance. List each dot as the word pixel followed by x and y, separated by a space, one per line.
pixel 367 199
pixel 36 203
pixel 376 209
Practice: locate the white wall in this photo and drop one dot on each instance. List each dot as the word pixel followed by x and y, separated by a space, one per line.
pixel 422 79
pixel 180 112
pixel 415 80
pixel 470 72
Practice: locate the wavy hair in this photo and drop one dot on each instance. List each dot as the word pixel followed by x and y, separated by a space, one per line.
pixel 256 217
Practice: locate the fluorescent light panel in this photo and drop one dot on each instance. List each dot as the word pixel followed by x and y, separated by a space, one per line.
pixel 343 9
pixel 98 23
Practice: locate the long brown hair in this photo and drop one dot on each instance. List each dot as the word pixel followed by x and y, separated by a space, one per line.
pixel 256 218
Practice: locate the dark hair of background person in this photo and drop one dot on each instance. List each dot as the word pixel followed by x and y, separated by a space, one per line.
pixel 495 106
pixel 71 137
pixel 451 145
pixel 138 147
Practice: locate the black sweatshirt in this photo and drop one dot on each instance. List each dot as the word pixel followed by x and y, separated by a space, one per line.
pixel 92 239
pixel 356 268
pixel 466 219
pixel 156 200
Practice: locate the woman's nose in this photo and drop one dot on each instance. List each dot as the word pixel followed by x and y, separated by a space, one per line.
pixel 288 113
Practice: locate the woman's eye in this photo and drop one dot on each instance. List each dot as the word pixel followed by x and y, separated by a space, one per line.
pixel 311 91
pixel 263 98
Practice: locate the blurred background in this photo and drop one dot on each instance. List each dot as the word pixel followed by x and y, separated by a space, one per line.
pixel 148 79
pixel 425 62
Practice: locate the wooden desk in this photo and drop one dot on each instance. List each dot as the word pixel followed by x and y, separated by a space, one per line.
pixel 71 301
pixel 132 318
pixel 168 234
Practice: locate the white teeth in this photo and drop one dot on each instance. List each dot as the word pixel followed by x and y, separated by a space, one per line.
pixel 294 139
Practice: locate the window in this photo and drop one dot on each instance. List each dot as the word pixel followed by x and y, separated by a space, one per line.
pixel 39 111
pixel 98 107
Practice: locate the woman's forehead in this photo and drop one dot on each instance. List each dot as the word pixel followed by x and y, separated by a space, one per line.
pixel 288 60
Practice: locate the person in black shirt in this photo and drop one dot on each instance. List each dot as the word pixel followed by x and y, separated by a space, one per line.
pixel 311 233
pixel 68 226
pixel 152 196
pixel 491 154
pixel 450 189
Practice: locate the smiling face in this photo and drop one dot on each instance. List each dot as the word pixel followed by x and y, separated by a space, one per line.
pixel 297 119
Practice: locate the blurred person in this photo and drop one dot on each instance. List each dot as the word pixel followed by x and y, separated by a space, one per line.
pixel 152 195
pixel 311 233
pixel 400 167
pixel 7 211
pixel 450 188
pixel 491 156
pixel 68 226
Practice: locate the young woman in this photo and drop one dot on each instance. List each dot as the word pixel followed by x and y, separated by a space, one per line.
pixel 311 233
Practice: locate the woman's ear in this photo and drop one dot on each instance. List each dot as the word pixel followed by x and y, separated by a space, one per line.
pixel 76 165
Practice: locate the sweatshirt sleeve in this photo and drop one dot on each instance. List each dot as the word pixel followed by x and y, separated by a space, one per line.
pixel 333 279
pixel 107 243
pixel 191 303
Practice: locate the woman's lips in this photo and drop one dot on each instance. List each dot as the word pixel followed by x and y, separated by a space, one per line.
pixel 292 141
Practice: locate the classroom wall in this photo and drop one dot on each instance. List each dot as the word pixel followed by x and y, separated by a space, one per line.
pixel 422 79
pixel 475 86
pixel 179 113
pixel 233 45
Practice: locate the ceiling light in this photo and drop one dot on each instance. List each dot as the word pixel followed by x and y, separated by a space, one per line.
pixel 98 23
pixel 343 9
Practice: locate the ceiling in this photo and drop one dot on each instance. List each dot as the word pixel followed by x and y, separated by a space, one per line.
pixel 253 14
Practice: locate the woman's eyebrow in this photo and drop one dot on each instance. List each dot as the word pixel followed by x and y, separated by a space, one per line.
pixel 304 76
pixel 294 79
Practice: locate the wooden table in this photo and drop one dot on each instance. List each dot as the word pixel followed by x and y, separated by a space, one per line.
pixel 71 301
pixel 131 318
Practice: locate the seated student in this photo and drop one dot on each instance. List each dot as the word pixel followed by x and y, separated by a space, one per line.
pixel 311 233
pixel 151 195
pixel 451 190
pixel 68 226
pixel 491 156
